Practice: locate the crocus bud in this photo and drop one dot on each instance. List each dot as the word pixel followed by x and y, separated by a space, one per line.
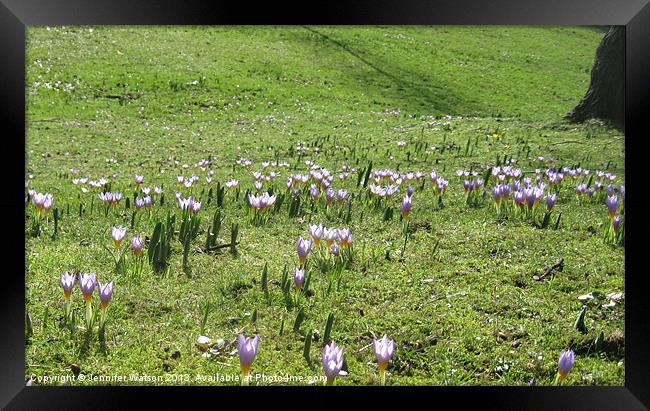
pixel 105 294
pixel 565 363
pixel 137 244
pixel 247 348
pixel 550 201
pixel 67 282
pixel 405 207
pixel 612 203
pixel 304 246
pixel 298 278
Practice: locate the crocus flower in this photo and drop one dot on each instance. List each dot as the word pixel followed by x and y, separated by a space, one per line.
pixel 340 196
pixel 138 180
pixel 304 246
pixel 409 191
pixel 329 195
pixel 616 222
pixel 441 185
pixel 137 244
pixel 345 237
pixel 298 278
pixel 405 207
pixel 48 202
pixel 247 348
pixel 105 294
pixel 139 203
pixel 612 203
pixel 332 361
pixel 314 191
pixel 118 234
pixel 383 353
pixel 330 235
pixel 316 233
pixel 550 201
pixel 87 284
pixel 565 363
pixel 67 282
pixel 334 249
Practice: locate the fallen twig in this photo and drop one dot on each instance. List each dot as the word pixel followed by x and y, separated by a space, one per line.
pixel 557 266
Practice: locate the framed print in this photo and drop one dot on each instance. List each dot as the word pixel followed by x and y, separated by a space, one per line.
pixel 386 196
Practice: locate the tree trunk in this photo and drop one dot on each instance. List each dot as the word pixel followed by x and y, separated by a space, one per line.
pixel 605 98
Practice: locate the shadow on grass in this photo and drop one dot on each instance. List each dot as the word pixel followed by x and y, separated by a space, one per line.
pixel 412 95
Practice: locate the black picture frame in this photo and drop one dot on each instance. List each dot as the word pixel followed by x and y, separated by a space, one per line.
pixel 15 15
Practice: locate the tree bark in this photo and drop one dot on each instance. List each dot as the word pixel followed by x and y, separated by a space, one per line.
pixel 605 98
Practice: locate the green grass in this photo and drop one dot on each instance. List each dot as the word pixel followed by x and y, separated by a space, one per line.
pixel 156 98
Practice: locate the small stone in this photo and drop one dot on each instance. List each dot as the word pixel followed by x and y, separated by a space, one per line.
pixel 585 297
pixel 203 343
pixel 515 344
pixel 615 296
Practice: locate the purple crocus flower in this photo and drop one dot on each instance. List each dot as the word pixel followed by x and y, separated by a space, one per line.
pixel 105 294
pixel 609 189
pixel 118 234
pixel 304 246
pixel 383 351
pixel 67 282
pixel 340 195
pixel 247 348
pixel 87 283
pixel 314 191
pixel 298 278
pixel 139 203
pixel 345 237
pixel 137 244
pixel 332 361
pixel 550 201
pixel 612 204
pixel 409 191
pixel 38 200
pixel 441 185
pixel 529 193
pixel 405 207
pixel 330 235
pixel 616 223
pixel 519 197
pixel 496 193
pixel 329 195
pixel 334 249
pixel 138 179
pixel 316 233
pixel 565 363
pixel 48 203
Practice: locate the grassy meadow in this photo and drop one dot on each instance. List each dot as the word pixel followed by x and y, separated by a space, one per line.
pixel 462 289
